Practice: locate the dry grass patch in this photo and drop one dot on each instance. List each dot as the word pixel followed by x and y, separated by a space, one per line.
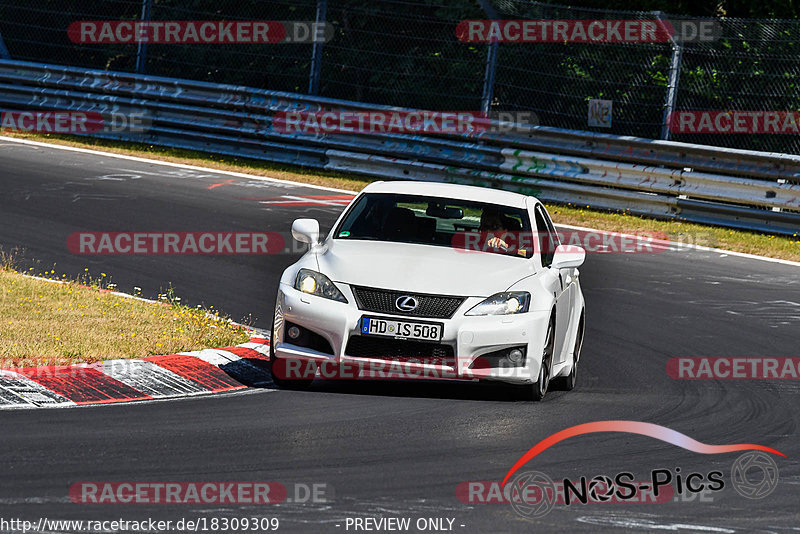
pixel 47 323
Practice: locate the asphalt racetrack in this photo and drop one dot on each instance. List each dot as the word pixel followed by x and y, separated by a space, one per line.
pixel 396 449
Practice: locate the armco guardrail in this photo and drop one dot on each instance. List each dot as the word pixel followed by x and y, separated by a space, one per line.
pixel 741 189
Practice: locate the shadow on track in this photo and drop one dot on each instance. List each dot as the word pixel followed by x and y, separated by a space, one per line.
pixel 255 372
pixel 431 389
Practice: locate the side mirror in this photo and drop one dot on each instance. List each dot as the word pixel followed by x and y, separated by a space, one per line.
pixel 306 231
pixel 567 256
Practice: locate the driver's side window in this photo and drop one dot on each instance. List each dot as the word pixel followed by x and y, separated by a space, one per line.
pixel 548 240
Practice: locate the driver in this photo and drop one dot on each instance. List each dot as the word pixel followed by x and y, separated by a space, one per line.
pixel 492 222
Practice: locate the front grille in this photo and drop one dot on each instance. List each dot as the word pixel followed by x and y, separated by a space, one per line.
pixel 400 350
pixel 382 301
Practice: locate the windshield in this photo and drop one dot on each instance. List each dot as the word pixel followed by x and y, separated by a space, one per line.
pixel 437 221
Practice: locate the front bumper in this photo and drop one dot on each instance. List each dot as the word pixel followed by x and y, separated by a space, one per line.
pixel 470 338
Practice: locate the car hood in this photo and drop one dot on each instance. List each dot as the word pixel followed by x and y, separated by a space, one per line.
pixel 421 268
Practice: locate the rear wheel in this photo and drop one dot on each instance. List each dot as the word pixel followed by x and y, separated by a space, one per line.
pixel 284 369
pixel 543 381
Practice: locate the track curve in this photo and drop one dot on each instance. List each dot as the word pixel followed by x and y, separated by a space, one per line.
pixel 395 449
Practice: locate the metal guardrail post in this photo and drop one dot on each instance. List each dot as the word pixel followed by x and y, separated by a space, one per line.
pixel 672 83
pixel 141 51
pixel 672 89
pixel 491 63
pixel 488 80
pixel 316 52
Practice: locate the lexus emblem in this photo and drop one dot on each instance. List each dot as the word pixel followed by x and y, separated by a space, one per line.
pixel 406 303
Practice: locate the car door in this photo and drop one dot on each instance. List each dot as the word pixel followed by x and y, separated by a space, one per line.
pixel 557 281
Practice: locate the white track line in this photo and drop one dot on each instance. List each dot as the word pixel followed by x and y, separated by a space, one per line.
pixel 171 164
pixel 326 188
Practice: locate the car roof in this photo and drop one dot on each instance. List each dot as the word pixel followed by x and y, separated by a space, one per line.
pixel 456 191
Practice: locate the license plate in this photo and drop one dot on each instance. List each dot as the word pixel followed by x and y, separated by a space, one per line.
pixel 372 326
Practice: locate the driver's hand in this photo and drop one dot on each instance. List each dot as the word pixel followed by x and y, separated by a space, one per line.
pixel 496 242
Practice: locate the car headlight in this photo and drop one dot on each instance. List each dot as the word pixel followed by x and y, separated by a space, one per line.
pixel 503 304
pixel 318 284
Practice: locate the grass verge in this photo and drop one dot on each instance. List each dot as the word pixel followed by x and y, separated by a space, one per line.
pixel 787 248
pixel 49 323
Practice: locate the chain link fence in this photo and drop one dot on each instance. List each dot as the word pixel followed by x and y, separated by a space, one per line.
pixel 755 66
pixel 407 53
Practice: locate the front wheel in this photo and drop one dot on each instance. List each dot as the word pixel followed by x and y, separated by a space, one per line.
pixel 543 381
pixel 568 382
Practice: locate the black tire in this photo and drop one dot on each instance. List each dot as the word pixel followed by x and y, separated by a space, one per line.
pixel 277 368
pixel 569 381
pixel 540 387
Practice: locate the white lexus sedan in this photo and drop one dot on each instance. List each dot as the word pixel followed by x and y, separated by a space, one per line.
pixel 430 280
